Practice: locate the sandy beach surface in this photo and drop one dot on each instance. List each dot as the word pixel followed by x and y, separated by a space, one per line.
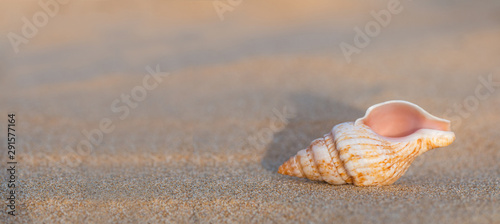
pixel 189 112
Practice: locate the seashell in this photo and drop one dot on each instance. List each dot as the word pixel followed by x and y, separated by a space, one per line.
pixel 376 149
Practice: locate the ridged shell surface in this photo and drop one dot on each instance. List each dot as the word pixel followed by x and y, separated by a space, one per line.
pixel 352 153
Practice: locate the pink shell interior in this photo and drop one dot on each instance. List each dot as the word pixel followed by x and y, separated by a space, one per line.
pixel 400 119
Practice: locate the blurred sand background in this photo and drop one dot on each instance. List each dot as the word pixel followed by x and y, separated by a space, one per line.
pixel 186 154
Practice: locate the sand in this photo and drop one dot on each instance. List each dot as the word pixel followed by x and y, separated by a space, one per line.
pixel 241 96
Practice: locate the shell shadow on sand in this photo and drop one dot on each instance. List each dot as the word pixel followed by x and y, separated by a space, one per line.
pixel 315 116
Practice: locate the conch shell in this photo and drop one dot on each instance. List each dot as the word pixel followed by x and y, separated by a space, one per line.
pixel 376 149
